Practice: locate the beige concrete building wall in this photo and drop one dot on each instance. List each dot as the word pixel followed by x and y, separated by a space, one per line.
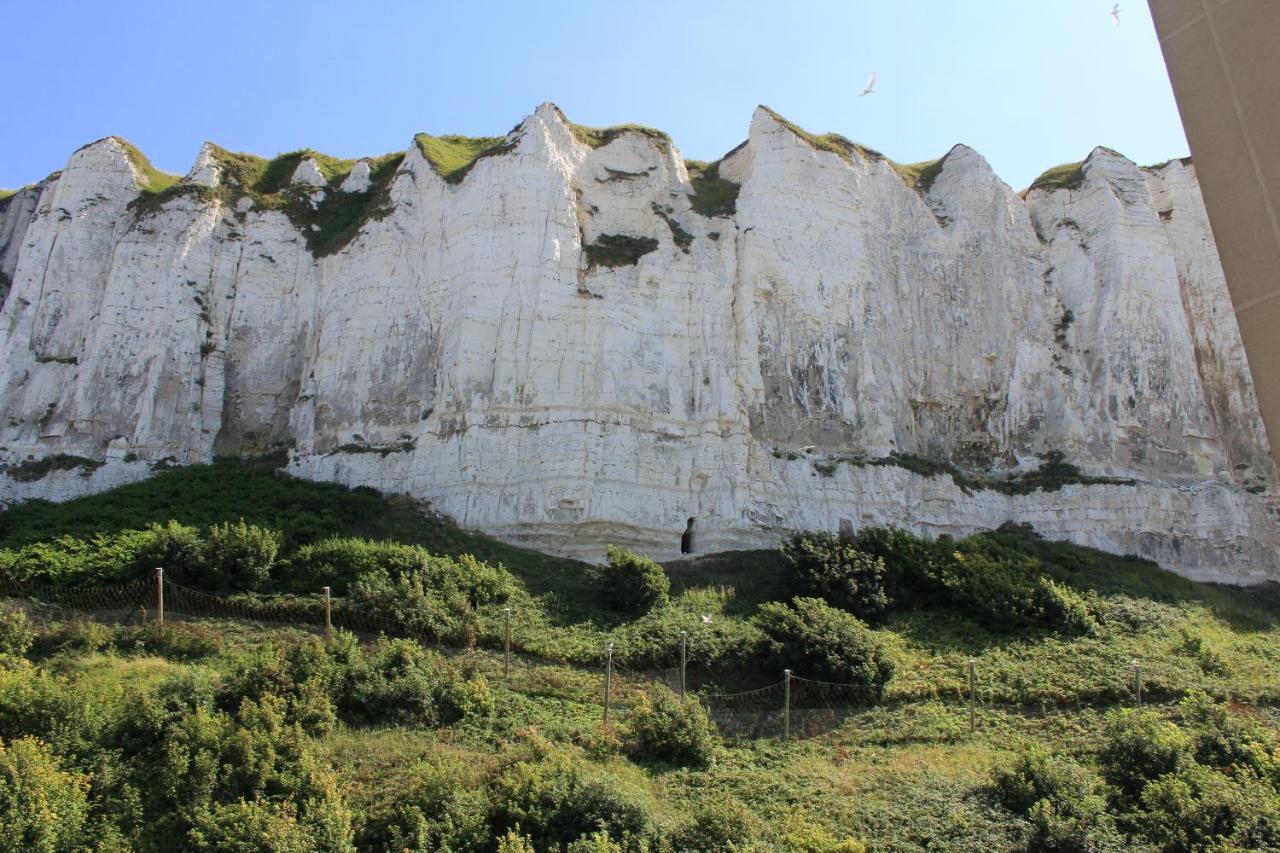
pixel 1224 62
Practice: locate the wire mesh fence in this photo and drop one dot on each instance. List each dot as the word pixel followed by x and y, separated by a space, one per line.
pixel 797 706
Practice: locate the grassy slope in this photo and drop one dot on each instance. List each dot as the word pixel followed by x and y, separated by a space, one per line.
pixel 903 774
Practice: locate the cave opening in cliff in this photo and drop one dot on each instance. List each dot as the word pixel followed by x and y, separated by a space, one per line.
pixel 686 541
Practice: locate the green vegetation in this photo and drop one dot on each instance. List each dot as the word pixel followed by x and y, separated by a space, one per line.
pixel 453 156
pixel 327 226
pixel 919 176
pixel 712 194
pixel 830 567
pixel 618 250
pixel 154 181
pixel 5 195
pixel 823 641
pixel 598 137
pixel 1052 474
pixel 227 735
pixel 682 238
pixel 1068 176
pixel 37 469
pixel 631 583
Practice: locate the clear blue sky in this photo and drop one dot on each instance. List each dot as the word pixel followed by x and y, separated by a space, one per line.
pixel 1028 83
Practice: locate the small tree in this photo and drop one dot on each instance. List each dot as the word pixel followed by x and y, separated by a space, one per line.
pixel 631 583
pixel 830 567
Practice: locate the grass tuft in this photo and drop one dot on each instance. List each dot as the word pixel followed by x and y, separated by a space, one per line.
pixel 452 157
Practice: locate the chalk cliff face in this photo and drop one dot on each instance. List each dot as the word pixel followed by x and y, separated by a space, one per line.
pixel 570 346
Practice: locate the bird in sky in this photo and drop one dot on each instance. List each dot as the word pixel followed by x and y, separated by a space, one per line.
pixel 1115 14
pixel 871 85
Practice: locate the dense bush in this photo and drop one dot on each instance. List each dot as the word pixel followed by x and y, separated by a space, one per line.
pixel 259 825
pixel 913 564
pixel 441 809
pixel 240 556
pixel 42 806
pixel 403 682
pixel 176 548
pixel 1061 799
pixel 1227 741
pixel 556 801
pixel 1141 746
pixel 722 825
pixel 318 681
pixel 101 558
pixel 1196 808
pixel 665 727
pixel 1004 588
pixel 829 567
pixel 630 583
pixel 210 761
pixel 336 562
pixel 816 640
pixel 16 634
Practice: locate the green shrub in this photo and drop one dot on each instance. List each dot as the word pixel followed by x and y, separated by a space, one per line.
pixel 1140 746
pixel 240 556
pixel 913 564
pixel 1059 798
pixel 16 634
pixel 830 567
pixel 208 760
pixel 256 825
pixel 630 583
pixel 42 807
pixel 805 836
pixel 1062 608
pixel 67 560
pixel 337 562
pixel 665 727
pixel 819 641
pixel 403 682
pixel 176 548
pixel 439 810
pixel 1195 808
pixel 1227 741
pixel 435 614
pixel 723 825
pixel 557 801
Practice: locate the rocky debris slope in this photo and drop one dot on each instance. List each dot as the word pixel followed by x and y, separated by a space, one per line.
pixel 570 337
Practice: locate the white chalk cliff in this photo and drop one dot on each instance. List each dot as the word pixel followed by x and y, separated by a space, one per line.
pixel 572 343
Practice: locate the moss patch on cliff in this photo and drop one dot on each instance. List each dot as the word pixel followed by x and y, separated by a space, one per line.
pixel 682 238
pixel 5 195
pixel 712 194
pixel 452 157
pixel 37 469
pixel 618 250
pixel 1053 473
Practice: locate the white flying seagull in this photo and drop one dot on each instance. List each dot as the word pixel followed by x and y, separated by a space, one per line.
pixel 1115 14
pixel 871 85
